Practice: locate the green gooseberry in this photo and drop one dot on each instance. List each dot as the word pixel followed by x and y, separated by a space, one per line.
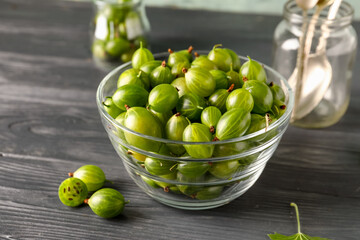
pixel 148 67
pixel 91 175
pixel 107 203
pixel 193 169
pixel 197 132
pixel 234 123
pixel 180 85
pixel 220 78
pixel 187 53
pixel 228 149
pixel 262 95
pixel 278 108
pixel 220 57
pixel 159 166
pixel 117 46
pixel 224 169
pixel 113 14
pixel 191 105
pixel 277 92
pixel 177 69
pixel 120 119
pixel 175 58
pixel 210 116
pixel 218 98
pixel 174 130
pixel 142 121
pixel 203 62
pixel 130 79
pixel 164 150
pixel 208 193
pixel 162 116
pixel 131 95
pixel 160 75
pixel 111 108
pixel 163 98
pixel 189 189
pixel 236 63
pixel 258 122
pixel 246 161
pixel 72 192
pixel 98 50
pixel 175 189
pixel 127 56
pixel 122 30
pixel 138 156
pixel 141 56
pixel 240 98
pixel 200 81
pixel 133 76
pixel 233 78
pixel 149 182
pixel 252 70
pixel 165 185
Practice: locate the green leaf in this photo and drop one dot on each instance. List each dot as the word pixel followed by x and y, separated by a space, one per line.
pixel 297 236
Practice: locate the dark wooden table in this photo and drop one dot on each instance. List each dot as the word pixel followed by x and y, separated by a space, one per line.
pixel 50 126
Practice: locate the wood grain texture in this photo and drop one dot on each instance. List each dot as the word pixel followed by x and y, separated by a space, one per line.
pixel 49 125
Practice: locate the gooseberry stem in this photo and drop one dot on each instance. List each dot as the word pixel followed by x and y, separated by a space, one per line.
pixel 231 88
pixel 196 54
pixel 139 74
pixel 212 129
pixel 71 174
pixel 163 63
pixel 217 45
pixel 297 215
pixel 103 103
pixel 141 44
pixel 184 70
pixel 267 116
pixel 215 139
pixel 244 79
pixel 127 107
pixel 170 51
pixel 86 201
pixel 177 114
pixel 172 167
pixel 190 49
pixel 271 84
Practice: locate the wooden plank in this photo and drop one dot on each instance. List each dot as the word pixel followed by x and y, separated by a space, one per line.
pixel 49 126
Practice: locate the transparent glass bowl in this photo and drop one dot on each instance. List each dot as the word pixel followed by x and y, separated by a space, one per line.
pixel 192 183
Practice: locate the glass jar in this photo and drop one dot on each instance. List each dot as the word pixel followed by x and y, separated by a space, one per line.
pixel 118 29
pixel 331 59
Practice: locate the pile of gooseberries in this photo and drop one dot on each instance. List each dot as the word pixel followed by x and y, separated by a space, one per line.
pixel 193 98
pixel 74 191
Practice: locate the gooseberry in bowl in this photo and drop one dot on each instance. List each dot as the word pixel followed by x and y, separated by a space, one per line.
pixel 203 154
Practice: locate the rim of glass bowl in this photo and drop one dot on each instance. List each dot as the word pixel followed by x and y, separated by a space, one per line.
pixel 115 3
pixel 162 55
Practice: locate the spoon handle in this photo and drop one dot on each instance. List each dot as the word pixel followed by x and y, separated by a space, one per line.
pixel 299 65
pixel 325 29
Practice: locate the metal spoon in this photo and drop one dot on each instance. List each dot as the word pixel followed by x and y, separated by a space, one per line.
pixel 314 74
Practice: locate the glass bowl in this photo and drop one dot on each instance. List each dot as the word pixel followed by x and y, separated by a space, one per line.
pixel 192 183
